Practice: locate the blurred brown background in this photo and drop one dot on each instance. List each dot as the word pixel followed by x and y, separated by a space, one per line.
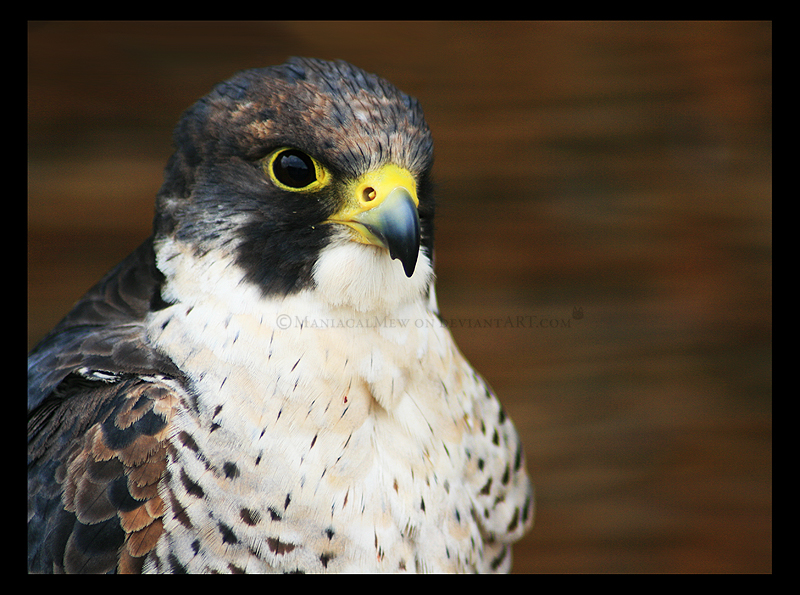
pixel 622 169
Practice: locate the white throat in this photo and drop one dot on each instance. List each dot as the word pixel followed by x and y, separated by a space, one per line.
pixel 365 279
pixel 363 309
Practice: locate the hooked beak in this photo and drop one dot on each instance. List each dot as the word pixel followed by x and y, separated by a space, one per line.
pixel 382 210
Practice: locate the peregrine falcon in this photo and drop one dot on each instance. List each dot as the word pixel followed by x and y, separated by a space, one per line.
pixel 265 384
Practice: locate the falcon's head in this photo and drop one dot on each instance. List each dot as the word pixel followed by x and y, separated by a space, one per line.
pixel 300 172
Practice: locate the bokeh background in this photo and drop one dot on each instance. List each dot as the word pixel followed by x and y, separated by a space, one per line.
pixel 604 246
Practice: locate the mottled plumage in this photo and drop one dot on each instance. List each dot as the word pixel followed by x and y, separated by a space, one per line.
pixel 265 384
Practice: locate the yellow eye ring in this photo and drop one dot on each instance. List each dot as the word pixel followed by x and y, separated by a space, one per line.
pixel 294 170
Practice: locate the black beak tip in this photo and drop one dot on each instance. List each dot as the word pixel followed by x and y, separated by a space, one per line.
pixel 398 229
pixel 406 247
pixel 409 264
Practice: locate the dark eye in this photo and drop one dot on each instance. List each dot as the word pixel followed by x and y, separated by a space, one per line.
pixel 294 169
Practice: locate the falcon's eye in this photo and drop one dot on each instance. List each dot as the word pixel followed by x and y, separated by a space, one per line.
pixel 293 169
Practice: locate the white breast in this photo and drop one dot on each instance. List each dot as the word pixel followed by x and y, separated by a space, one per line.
pixel 325 429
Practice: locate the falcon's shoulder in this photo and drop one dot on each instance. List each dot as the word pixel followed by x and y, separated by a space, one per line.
pixel 100 402
pixel 104 330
